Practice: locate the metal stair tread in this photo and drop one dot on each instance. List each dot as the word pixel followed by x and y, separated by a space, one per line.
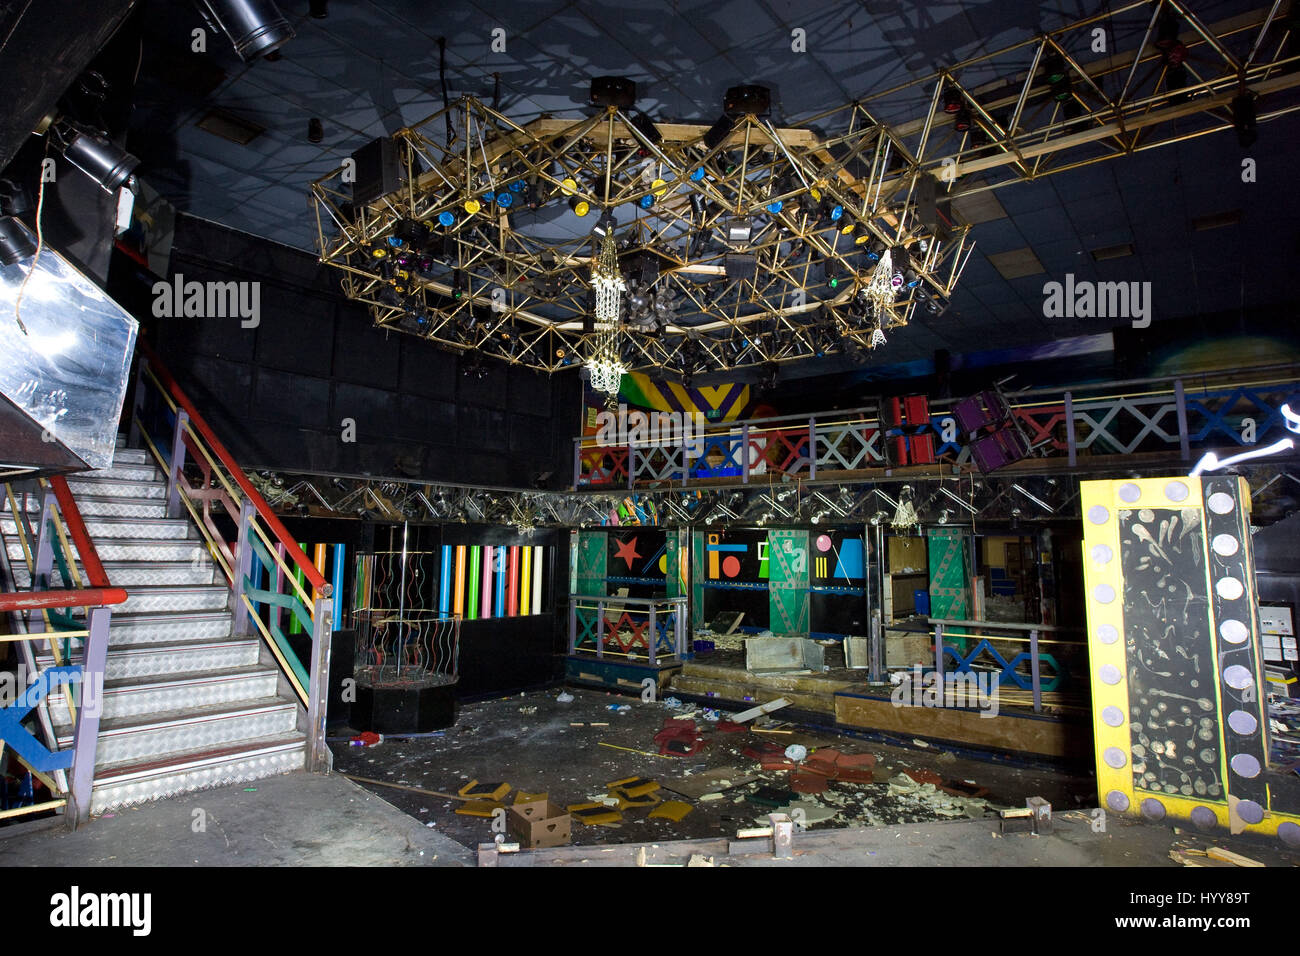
pixel 162 681
pixel 217 711
pixel 168 617
pixel 110 774
pixel 151 649
pixel 99 477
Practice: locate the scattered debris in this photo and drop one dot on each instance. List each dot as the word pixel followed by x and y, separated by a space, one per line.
pixel 564 698
pixel 484 791
pixel 1227 856
pixel 753 712
pixel 674 810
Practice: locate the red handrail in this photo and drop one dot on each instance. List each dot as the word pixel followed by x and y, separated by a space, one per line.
pixel 82 597
pixel 313 576
pixel 77 528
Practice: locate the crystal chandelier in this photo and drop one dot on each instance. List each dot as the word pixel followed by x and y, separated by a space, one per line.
pixel 880 293
pixel 605 367
pixel 905 516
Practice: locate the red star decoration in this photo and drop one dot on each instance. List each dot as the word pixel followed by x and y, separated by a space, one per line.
pixel 627 551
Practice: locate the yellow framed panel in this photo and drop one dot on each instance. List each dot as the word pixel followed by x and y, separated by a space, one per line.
pixel 1228 718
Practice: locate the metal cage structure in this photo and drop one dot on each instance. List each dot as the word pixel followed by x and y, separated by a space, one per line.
pixel 744 244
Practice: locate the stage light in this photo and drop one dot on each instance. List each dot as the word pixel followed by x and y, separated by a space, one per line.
pixel 97 156
pixel 315 130
pixel 447 218
pixel 646 201
pixel 255 27
pixel 579 206
pixel 962 121
pixel 775 207
pixel 739 230
pixel 1243 118
pixel 1057 76
pixel 505 199
pixel 15 241
pixel 457 284
pixel 951 99
pixel 472 206
pixel 646 127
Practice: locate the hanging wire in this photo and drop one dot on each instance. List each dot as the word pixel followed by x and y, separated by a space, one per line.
pixel 40 244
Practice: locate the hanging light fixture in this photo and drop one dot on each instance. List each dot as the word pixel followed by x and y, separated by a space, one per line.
pixel 605 365
pixel 880 291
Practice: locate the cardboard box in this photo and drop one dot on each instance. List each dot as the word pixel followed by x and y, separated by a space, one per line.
pixel 537 824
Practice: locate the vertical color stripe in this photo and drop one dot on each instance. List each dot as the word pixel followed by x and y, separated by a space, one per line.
pixel 537 579
pixel 487 580
pixel 444 582
pixel 294 626
pixel 459 606
pixel 499 569
pixel 339 552
pixel 475 556
pixel 512 583
pixel 525 579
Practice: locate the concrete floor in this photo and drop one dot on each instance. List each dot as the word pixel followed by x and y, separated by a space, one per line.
pixel 528 741
pixel 951 843
pixel 296 819
pixel 315 820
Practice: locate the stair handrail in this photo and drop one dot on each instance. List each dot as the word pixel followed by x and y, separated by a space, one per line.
pixel 98 599
pixel 95 573
pixel 263 546
pixel 200 424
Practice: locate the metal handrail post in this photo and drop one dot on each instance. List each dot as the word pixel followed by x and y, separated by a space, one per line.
pixel 86 736
pixel 176 465
pixel 319 757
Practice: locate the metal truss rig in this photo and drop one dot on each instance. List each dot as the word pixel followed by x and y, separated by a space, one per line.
pixel 929 500
pixel 744 244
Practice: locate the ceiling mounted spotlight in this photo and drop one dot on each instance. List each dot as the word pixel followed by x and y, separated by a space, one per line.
pixel 315 130
pixel 255 27
pixel 616 91
pixel 1243 118
pixel 96 155
pixel 15 241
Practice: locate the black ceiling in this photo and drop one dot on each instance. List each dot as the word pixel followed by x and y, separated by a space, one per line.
pixel 372 67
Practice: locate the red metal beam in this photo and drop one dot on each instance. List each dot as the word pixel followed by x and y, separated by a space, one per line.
pixel 82 597
pixel 77 528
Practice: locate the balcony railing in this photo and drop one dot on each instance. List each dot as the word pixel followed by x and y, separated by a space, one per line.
pixel 1164 416
pixel 653 629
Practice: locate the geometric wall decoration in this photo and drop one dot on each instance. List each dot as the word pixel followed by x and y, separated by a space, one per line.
pixel 479 581
pixel 947 552
pixel 789 569
pixel 1179 702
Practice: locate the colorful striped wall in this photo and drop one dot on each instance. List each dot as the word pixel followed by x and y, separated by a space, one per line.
pixel 478 581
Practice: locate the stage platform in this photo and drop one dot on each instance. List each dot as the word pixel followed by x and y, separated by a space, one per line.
pixel 844 698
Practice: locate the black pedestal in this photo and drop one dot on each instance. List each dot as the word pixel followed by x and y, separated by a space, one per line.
pixel 405 707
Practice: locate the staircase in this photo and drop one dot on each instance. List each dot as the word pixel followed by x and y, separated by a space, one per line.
pixel 187 704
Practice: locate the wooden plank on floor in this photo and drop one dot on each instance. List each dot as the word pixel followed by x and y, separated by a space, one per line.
pixel 1043 736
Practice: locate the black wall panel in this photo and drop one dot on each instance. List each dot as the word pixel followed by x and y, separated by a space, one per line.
pixel 277 393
